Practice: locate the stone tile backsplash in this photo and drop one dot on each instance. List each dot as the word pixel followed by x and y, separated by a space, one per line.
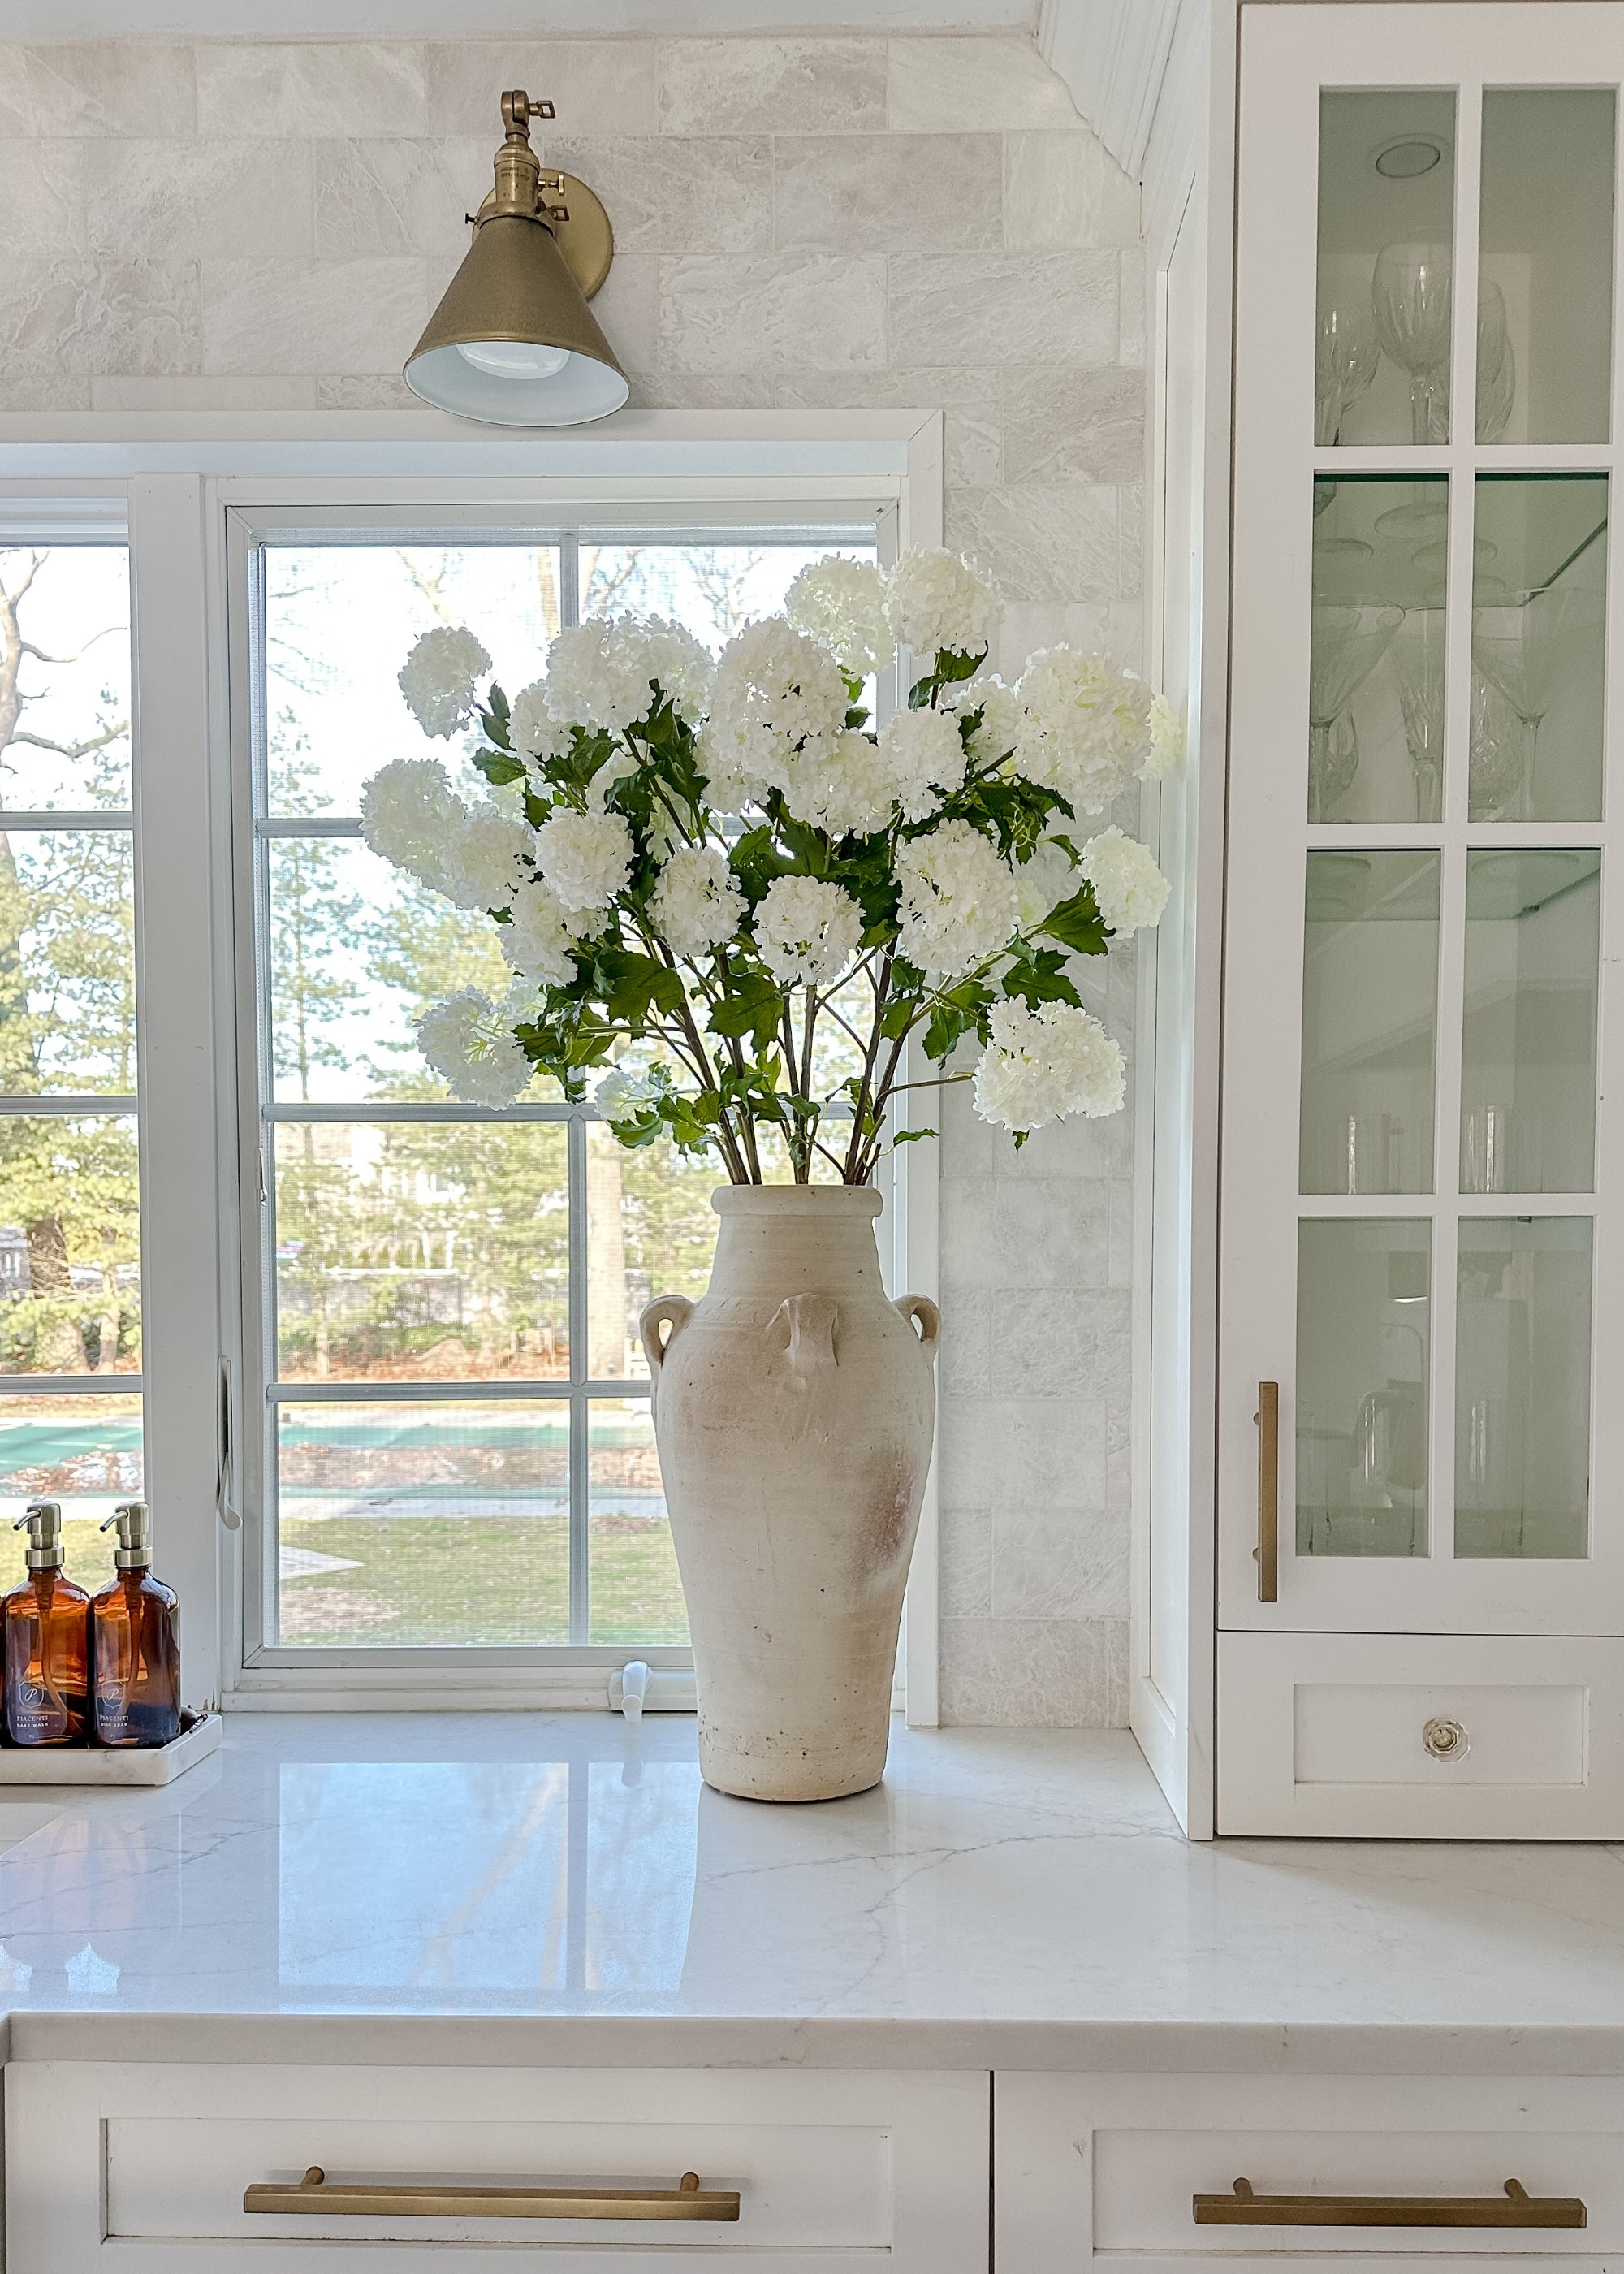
pixel 826 222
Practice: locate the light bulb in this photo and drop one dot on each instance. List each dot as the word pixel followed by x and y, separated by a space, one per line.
pixel 516 359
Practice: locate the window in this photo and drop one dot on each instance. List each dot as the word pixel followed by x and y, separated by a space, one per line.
pixel 457 1449
pixel 71 1382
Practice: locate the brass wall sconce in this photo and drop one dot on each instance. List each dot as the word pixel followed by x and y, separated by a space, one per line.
pixel 514 341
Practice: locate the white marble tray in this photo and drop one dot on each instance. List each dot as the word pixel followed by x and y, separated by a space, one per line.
pixel 132 1765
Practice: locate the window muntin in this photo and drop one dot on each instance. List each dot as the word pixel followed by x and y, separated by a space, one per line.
pixel 71 1382
pixel 457 1450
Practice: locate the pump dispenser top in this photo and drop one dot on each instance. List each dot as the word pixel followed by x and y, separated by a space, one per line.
pixel 133 1552
pixel 44 1519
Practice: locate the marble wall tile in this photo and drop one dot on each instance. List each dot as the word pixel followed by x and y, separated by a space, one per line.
pixel 1066 189
pixel 56 392
pixel 966 1535
pixel 335 87
pixel 1057 1563
pixel 43 197
pixel 1120 1235
pixel 1046 1341
pixel 178 392
pixel 707 193
pixel 281 317
pixel 597 86
pixel 971 438
pixel 937 85
pixel 81 318
pixel 964 1365
pixel 1063 423
pixel 813 310
pixel 1135 311
pixel 830 84
pixel 370 391
pixel 1031 1232
pixel 397 196
pixel 98 86
pixel 628 310
pixel 701 390
pixel 1113 628
pixel 183 200
pixel 1038 543
pixel 1004 308
pixel 1131 534
pixel 1008 1453
pixel 1034 1673
pixel 886 194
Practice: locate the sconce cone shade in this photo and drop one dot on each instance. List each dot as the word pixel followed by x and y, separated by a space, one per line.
pixel 515 288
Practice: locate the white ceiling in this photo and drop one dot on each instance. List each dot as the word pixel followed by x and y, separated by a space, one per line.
pixel 96 19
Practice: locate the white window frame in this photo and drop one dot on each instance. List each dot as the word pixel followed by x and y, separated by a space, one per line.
pixel 191 489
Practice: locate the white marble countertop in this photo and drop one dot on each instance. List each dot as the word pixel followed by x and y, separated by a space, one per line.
pixel 490 1887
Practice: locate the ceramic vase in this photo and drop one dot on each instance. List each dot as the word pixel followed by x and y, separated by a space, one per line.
pixel 793 1411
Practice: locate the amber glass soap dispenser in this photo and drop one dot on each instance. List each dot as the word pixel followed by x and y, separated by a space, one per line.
pixel 134 1650
pixel 46 1620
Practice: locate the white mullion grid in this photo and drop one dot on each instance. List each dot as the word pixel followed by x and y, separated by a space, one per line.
pixel 77 817
pixel 580 1410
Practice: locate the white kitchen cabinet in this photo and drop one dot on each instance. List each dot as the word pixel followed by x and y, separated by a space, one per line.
pixel 1103 2171
pixel 145 2166
pixel 1421 1533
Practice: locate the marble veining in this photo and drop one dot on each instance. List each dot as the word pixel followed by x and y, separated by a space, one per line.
pixel 574 1866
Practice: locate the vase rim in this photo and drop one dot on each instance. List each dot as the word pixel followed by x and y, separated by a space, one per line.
pixel 791 1199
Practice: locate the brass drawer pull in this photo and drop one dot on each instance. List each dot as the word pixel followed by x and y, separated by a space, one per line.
pixel 1267 1552
pixel 1515 2208
pixel 686 2200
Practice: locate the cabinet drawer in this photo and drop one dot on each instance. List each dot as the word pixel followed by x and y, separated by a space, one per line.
pixel 1329 1735
pixel 1104 2170
pixel 147 2167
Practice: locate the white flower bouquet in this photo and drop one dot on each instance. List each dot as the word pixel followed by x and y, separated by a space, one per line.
pixel 694 865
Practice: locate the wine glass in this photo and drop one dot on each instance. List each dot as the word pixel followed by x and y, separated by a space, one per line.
pixel 1525 650
pixel 1418 661
pixel 1413 307
pixel 1345 645
pixel 1499 754
pixel 1345 361
pixel 1497 365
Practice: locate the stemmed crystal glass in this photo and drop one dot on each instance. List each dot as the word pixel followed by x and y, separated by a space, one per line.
pixel 1345 360
pixel 1418 661
pixel 1523 650
pixel 1345 645
pixel 1412 303
pixel 1496 365
pixel 1498 758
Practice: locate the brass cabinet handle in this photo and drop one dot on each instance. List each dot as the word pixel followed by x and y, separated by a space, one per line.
pixel 1515 2208
pixel 311 2194
pixel 1267 1552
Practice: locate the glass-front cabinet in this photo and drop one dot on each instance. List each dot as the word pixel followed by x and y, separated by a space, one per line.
pixel 1421 1458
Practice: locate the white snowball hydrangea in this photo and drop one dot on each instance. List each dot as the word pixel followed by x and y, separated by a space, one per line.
pixel 775 691
pixel 598 672
pixel 536 733
pixel 923 754
pixel 585 857
pixel 437 678
pixel 619 762
pixel 1085 728
pixel 935 600
pixel 807 932
pixel 841 785
pixel 1042 882
pixel 696 902
pixel 623 1091
pixel 1039 1066
pixel 468 1043
pixel 1130 888
pixel 843 604
pixel 994 738
pixel 1166 739
pixel 410 816
pixel 488 858
pixel 958 905
pixel 537 939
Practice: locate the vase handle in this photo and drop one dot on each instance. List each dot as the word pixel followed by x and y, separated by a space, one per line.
pixel 673 1311
pixel 920 1312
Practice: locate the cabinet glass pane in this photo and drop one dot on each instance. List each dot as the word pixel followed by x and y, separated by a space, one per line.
pixel 1522 1387
pixel 1539 590
pixel 1376 648
pixel 1384 300
pixel 1545 279
pixel 1370 997
pixel 1527 1056
pixel 1363 1343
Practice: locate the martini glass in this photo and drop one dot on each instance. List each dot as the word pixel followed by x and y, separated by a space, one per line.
pixel 1412 304
pixel 1345 360
pixel 1418 660
pixel 1345 645
pixel 1497 365
pixel 1524 651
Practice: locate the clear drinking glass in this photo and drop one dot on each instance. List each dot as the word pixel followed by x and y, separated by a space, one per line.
pixel 1345 361
pixel 1497 364
pixel 1369 988
pixel 1539 624
pixel 1364 1355
pixel 1522 1387
pixel 1412 298
pixel 1418 660
pixel 1345 645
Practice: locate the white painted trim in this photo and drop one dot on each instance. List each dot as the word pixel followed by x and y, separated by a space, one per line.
pixel 1113 57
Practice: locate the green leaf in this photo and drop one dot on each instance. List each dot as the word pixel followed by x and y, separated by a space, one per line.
pixel 499 767
pixel 750 1005
pixel 911 1136
pixel 630 984
pixel 1078 924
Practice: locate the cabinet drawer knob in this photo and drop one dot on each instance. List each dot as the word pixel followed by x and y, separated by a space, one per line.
pixel 1446 1740
pixel 1515 2208
pixel 311 2194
